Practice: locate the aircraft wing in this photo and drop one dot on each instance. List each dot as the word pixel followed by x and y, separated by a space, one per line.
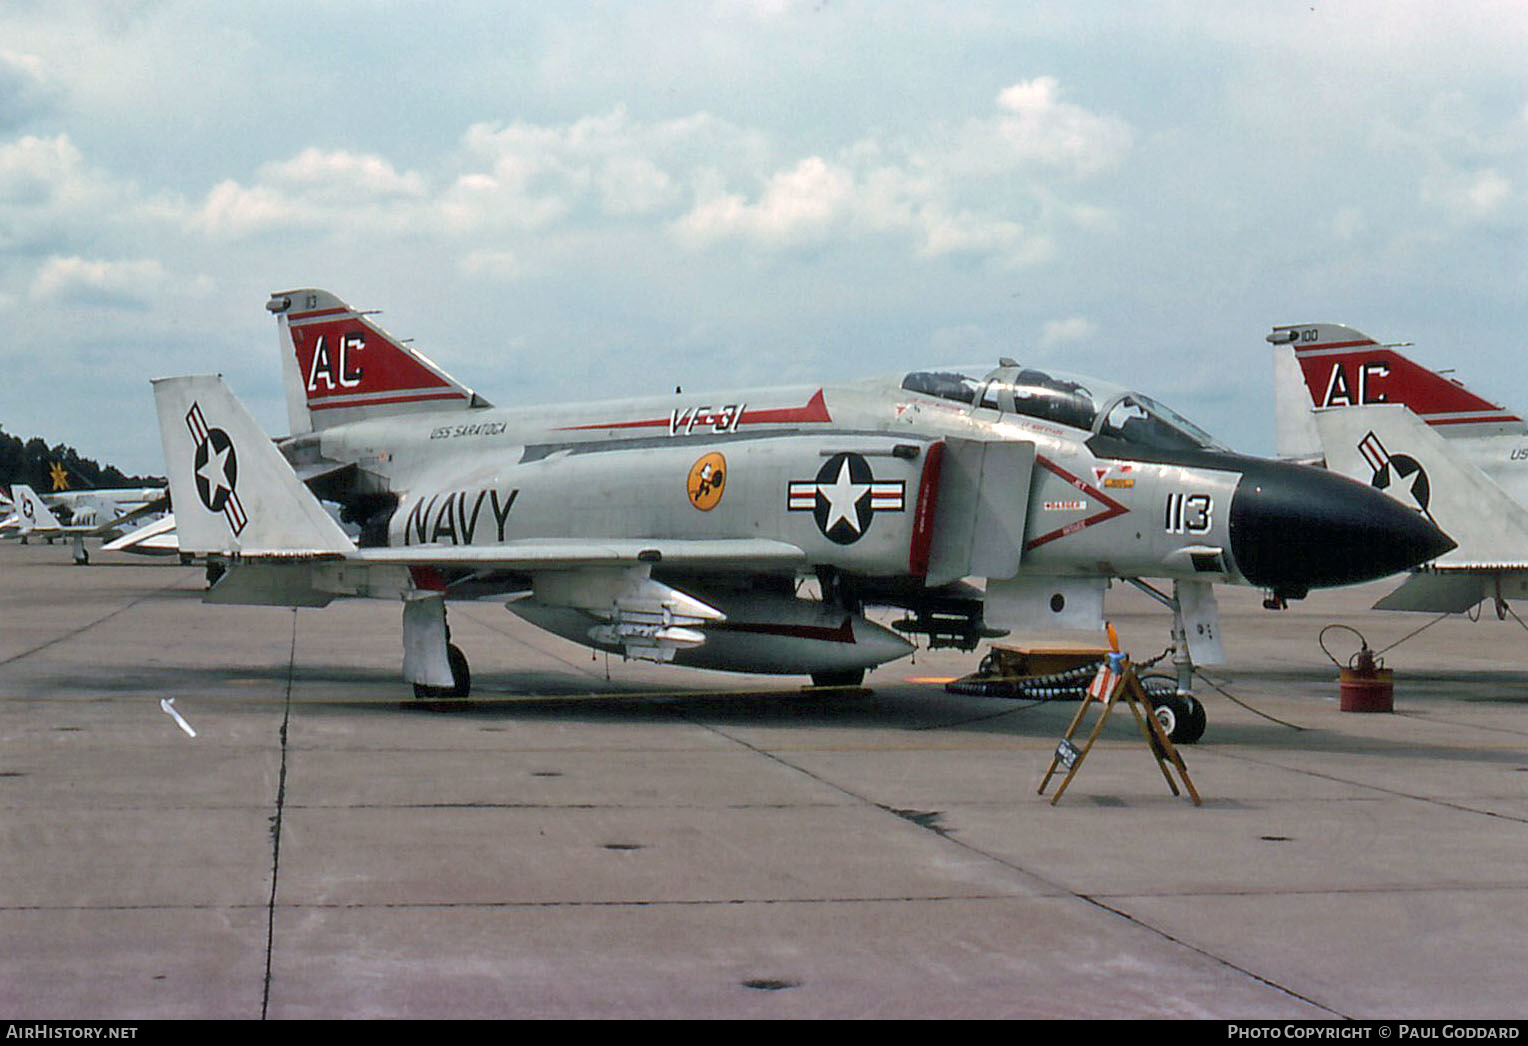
pixel 148 508
pixel 156 538
pixel 1442 591
pixel 586 573
pixel 738 553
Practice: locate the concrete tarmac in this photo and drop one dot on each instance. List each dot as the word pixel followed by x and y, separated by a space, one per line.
pixel 601 839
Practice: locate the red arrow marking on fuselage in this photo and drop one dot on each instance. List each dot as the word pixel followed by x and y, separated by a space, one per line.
pixel 1111 509
pixel 815 410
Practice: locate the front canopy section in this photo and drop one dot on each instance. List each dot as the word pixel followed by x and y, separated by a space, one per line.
pixel 1086 404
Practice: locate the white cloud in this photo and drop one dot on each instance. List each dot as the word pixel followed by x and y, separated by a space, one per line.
pixel 703 182
pixel 501 266
pixel 234 210
pixel 315 188
pixel 25 89
pixel 1478 195
pixel 81 281
pixel 940 195
pixel 49 196
pixel 609 166
pixel 634 185
pixel 801 205
pixel 1348 224
pixel 1035 128
pixel 1460 149
pixel 339 176
pixel 34 170
pixel 1069 331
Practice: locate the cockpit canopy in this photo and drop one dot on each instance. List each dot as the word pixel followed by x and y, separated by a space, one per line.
pixel 1095 407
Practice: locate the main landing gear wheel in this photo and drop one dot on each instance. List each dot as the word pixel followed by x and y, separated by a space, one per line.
pixel 461 678
pixel 1181 715
pixel 845 677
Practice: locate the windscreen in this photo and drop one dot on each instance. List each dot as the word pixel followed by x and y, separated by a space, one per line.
pixel 1144 422
pixel 1066 399
pixel 945 384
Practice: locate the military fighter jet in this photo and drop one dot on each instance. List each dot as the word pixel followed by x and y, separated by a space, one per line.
pixel 1438 448
pixel 678 528
pixel 88 517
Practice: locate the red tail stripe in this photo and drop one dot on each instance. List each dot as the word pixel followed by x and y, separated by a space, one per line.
pixel 378 401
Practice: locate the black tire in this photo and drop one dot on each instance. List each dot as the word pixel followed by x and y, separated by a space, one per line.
pixel 461 675
pixel 843 677
pixel 1182 716
pixel 1193 728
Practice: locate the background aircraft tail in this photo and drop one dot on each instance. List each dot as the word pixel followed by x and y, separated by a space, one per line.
pixel 32 515
pixel 1389 447
pixel 1339 367
pixel 338 366
pixel 233 491
pixel 1294 427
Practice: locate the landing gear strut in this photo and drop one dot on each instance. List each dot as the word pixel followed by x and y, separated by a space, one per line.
pixel 429 654
pixel 1179 712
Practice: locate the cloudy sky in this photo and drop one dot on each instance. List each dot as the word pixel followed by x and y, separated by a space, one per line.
pixel 574 200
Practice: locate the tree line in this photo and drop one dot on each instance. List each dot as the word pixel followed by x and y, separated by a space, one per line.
pixel 40 467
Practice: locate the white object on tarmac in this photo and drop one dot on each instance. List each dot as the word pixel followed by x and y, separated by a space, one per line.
pixel 168 705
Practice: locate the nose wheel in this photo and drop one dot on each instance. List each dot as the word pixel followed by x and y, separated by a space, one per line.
pixel 1180 715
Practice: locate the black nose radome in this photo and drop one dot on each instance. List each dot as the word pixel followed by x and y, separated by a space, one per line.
pixel 1294 528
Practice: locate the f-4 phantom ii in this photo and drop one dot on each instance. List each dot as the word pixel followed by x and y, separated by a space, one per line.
pixel 1454 457
pixel 677 528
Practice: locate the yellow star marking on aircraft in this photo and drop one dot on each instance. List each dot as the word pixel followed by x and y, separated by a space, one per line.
pixel 59 475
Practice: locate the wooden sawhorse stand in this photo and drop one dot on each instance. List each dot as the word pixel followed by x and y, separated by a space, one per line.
pixel 1119 677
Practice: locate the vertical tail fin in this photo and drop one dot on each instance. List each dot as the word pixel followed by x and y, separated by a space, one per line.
pixel 1294 426
pixel 233 491
pixel 32 514
pixel 338 366
pixel 1343 368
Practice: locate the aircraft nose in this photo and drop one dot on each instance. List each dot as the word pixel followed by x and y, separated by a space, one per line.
pixel 1295 527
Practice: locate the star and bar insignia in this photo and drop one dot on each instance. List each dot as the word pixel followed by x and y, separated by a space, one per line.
pixel 845 496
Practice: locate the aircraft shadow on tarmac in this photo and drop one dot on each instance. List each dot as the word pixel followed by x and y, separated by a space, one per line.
pixel 575 699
